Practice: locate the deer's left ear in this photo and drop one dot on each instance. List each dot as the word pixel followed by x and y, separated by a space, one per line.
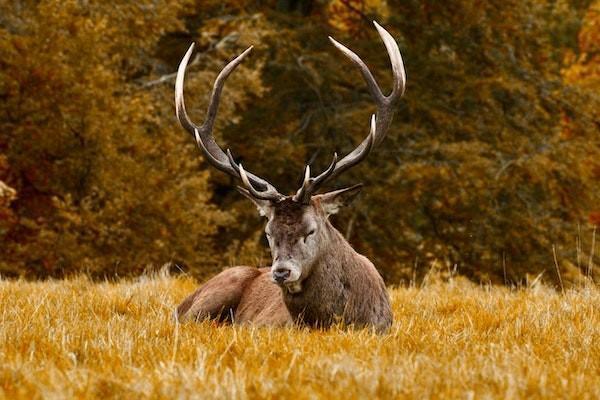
pixel 333 201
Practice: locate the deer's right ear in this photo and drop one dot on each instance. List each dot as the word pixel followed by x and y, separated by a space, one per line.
pixel 264 206
pixel 333 201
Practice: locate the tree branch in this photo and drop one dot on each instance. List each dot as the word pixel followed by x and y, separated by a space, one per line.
pixel 356 10
pixel 230 38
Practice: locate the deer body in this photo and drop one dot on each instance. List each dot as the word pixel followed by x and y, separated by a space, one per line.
pixel 342 286
pixel 316 278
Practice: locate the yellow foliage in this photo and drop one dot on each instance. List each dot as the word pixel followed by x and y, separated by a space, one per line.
pixel 94 155
pixel 78 339
pixel 475 171
pixel 347 15
pixel 584 69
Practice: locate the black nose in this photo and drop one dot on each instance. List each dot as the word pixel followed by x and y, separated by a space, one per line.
pixel 280 275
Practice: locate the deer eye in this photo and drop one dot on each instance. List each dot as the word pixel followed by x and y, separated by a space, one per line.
pixel 311 232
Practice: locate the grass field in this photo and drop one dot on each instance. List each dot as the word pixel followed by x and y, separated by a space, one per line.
pixel 79 339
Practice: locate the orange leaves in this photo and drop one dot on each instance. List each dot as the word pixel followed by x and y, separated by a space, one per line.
pixel 594 218
pixel 595 168
pixel 589 35
pixel 584 69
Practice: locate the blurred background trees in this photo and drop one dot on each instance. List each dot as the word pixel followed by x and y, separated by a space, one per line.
pixel 493 159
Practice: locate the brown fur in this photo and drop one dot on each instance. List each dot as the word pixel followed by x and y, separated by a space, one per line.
pixel 343 286
pixel 238 294
pixel 340 286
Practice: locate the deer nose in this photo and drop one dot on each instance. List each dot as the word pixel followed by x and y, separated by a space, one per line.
pixel 281 274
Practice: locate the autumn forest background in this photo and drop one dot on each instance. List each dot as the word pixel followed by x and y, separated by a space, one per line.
pixel 491 168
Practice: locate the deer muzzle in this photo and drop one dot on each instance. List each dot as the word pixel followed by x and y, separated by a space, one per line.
pixel 285 272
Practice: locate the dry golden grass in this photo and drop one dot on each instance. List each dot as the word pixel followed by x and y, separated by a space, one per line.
pixel 78 339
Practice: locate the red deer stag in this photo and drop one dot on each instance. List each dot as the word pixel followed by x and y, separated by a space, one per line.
pixel 316 278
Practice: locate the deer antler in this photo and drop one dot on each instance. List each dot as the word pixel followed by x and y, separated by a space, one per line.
pixel 258 186
pixel 203 133
pixel 380 122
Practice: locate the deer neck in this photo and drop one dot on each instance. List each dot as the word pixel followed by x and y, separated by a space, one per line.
pixel 326 290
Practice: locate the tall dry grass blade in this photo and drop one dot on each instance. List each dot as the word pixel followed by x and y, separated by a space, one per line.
pixel 504 267
pixel 578 246
pixel 175 343
pixel 562 287
pixel 592 253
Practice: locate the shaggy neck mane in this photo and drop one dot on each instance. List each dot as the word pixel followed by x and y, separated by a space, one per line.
pixel 340 285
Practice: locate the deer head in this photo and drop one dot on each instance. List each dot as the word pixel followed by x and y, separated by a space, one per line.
pixel 298 230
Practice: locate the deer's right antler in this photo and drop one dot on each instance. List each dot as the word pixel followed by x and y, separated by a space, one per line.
pixel 380 122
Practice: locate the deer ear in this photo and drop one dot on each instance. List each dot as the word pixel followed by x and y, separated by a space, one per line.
pixel 264 206
pixel 333 201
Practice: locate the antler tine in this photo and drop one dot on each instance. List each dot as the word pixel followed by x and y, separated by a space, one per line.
pixel 306 176
pixel 395 59
pixel 269 194
pixel 232 162
pixel 299 196
pixel 385 105
pixel 317 181
pixel 362 151
pixel 364 70
pixel 311 185
pixel 203 133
